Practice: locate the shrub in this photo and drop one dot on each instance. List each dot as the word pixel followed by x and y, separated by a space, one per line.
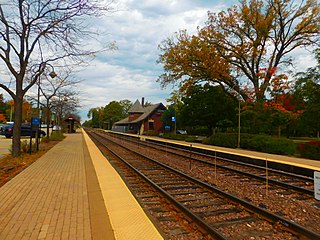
pixel 269 144
pixel 223 140
pixel 152 133
pixel 198 131
pixel 261 143
pixel 55 136
pixel 175 136
pixel 309 150
pixel 245 140
pixel 191 138
pixel 25 146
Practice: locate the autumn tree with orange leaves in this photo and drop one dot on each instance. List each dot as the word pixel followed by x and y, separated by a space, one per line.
pixel 244 46
pixel 27 111
pixel 2 109
pixel 281 111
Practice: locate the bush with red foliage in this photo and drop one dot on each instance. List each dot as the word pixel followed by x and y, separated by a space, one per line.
pixel 309 150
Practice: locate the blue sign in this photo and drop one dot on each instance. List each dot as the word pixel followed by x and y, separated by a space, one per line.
pixel 167 127
pixel 35 121
pixel 173 119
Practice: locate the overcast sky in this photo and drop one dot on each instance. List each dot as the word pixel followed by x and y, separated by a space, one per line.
pixel 138 27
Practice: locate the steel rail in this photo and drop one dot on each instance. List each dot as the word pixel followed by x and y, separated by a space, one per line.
pixel 261 178
pixel 159 143
pixel 201 223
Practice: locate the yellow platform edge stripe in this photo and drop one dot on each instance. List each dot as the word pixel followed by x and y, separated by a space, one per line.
pixel 127 218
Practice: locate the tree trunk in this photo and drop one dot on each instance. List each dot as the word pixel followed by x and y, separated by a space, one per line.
pixel 18 102
pixel 16 144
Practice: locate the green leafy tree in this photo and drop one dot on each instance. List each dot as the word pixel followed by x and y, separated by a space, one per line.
pixel 307 87
pixel 96 115
pixel 126 105
pixel 209 106
pixel 113 112
pixel 176 103
pixel 108 115
pixel 87 123
pixel 168 114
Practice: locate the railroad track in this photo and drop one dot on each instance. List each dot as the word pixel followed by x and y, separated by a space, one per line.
pixel 278 197
pixel 219 213
pixel 287 180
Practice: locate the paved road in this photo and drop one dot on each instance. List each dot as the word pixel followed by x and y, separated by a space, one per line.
pixel 5 145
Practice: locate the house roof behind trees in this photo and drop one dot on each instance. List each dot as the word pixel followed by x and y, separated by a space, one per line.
pixel 136 108
pixel 144 111
pixel 148 111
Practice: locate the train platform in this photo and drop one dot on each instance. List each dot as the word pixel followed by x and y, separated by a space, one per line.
pixel 71 192
pixel 290 160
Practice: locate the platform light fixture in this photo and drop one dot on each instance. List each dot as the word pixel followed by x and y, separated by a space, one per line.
pixel 239 113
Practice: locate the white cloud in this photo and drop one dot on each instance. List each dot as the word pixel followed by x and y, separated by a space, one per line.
pixel 138 27
pixel 303 59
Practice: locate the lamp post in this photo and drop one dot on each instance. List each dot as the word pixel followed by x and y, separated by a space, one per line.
pixel 38 115
pixel 239 114
pixel 174 120
pixel 239 119
pixel 52 74
pixel 11 110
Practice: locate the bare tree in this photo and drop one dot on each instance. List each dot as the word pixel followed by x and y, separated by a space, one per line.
pixel 34 35
pixel 64 103
pixel 51 87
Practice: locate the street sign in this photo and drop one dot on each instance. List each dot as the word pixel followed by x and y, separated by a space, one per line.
pixel 173 119
pixel 35 121
pixel 317 185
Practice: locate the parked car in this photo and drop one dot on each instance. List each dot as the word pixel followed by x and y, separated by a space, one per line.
pixel 184 132
pixel 2 125
pixel 56 128
pixel 7 131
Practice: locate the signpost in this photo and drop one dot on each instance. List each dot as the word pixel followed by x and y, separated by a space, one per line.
pixel 173 119
pixel 317 185
pixel 35 123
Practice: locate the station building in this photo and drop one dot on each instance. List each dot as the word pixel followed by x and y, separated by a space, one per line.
pixel 71 120
pixel 142 119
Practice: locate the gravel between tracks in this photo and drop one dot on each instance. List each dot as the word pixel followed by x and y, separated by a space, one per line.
pixel 296 207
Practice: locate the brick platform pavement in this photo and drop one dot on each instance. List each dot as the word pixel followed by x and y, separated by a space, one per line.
pixel 50 199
